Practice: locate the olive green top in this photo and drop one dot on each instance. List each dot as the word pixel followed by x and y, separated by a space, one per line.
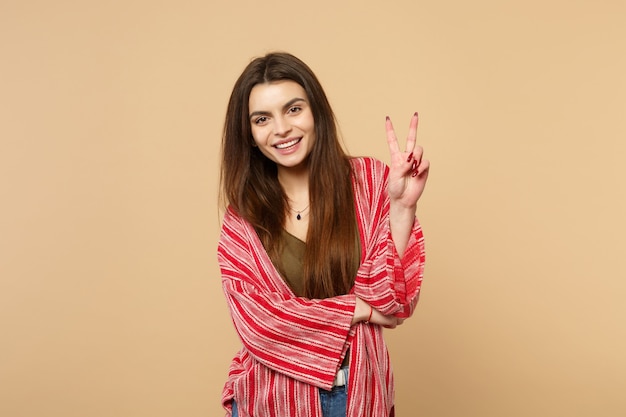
pixel 292 258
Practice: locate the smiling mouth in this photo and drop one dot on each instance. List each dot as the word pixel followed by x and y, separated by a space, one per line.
pixel 288 144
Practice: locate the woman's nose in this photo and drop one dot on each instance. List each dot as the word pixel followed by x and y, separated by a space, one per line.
pixel 281 126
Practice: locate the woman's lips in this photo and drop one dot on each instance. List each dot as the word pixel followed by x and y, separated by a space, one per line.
pixel 288 144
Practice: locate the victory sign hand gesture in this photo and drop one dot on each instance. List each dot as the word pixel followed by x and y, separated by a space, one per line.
pixel 408 170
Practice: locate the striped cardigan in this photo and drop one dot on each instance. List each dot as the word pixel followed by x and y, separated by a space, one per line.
pixel 292 346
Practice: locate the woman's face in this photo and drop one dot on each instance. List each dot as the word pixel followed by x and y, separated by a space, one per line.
pixel 282 122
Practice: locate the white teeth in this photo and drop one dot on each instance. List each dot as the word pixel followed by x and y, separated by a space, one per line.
pixel 287 144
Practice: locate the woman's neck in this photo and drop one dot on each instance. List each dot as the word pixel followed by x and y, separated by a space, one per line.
pixel 296 186
pixel 295 182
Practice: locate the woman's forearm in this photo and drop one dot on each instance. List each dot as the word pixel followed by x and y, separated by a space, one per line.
pixel 401 220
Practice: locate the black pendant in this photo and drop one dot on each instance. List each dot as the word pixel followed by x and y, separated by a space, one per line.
pixel 298 217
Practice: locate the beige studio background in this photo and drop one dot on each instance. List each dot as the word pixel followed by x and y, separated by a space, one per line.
pixel 110 121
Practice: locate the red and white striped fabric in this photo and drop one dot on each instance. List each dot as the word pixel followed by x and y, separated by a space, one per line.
pixel 292 346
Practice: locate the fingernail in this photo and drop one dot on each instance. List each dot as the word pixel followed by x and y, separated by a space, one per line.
pixel 414 165
pixel 410 157
pixel 414 174
pixel 387 118
pixel 415 114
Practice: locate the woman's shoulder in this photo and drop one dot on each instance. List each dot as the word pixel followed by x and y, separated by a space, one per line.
pixel 232 221
pixel 368 165
pixel 370 178
pixel 369 169
pixel 236 231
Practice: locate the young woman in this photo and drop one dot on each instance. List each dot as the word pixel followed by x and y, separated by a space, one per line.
pixel 318 251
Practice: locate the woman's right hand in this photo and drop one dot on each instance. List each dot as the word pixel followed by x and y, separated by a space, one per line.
pixel 362 312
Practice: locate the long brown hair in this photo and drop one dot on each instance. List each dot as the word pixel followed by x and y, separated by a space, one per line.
pixel 249 181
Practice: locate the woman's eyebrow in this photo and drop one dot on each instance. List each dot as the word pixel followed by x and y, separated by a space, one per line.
pixel 292 102
pixel 286 106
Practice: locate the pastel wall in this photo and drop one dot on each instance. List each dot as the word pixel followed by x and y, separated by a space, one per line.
pixel 110 122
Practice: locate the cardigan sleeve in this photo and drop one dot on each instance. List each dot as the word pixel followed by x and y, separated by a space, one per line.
pixel 305 339
pixel 389 283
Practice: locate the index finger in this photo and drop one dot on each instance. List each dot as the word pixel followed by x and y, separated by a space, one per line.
pixel 412 138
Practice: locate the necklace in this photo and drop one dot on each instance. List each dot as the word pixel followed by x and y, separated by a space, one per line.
pixel 299 213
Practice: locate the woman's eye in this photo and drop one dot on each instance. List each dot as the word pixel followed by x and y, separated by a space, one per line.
pixel 295 109
pixel 260 120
